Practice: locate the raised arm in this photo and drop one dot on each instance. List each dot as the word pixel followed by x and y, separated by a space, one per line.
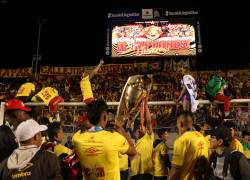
pixel 95 70
pixel 131 151
pixel 148 119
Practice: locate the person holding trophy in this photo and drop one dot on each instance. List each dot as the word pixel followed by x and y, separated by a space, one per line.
pixel 133 103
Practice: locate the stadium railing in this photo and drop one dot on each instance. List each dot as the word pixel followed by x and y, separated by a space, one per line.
pixel 2 107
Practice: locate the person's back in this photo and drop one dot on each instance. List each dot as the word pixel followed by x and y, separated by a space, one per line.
pixel 159 160
pixel 28 162
pixel 187 149
pixel 98 153
pixel 26 90
pixel 214 85
pixel 46 95
pixel 41 167
pixel 98 150
pixel 7 142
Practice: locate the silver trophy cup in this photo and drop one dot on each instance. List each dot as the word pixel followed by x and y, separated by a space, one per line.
pixel 131 98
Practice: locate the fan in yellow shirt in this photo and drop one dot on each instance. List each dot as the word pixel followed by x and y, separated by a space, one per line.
pixel 50 97
pixel 123 162
pixel 160 157
pixel 141 164
pixel 56 136
pixel 190 147
pixel 245 141
pixel 26 91
pixel 235 143
pixel 98 150
pixel 85 84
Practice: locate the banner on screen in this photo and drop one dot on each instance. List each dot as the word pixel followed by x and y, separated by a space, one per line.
pixel 153 38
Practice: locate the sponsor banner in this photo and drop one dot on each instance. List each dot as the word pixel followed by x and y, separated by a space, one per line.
pixel 181 13
pixel 52 70
pixel 110 68
pixel 123 14
pixel 147 13
pixel 13 73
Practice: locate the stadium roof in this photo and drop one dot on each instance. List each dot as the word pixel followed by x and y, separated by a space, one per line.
pixel 74 32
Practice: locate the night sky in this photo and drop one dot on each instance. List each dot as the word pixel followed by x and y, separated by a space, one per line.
pixel 73 33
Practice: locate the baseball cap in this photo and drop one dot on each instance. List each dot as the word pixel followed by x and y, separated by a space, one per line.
pixel 223 133
pixel 16 104
pixel 28 129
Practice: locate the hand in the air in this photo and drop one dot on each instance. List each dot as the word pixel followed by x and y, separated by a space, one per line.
pixel 101 62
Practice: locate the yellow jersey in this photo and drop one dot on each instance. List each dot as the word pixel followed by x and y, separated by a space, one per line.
pixel 25 89
pixel 236 145
pixel 247 154
pixel 86 89
pixel 142 162
pixel 159 166
pixel 123 162
pixel 99 153
pixel 60 149
pixel 47 94
pixel 187 148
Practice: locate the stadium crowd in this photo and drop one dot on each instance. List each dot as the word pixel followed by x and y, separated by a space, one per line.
pixel 122 149
pixel 166 85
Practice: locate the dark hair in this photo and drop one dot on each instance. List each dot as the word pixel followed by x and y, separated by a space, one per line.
pixel 197 127
pixel 44 121
pixel 53 129
pixel 95 109
pixel 7 142
pixel 156 142
pixel 161 132
pixel 202 169
pixel 230 124
pixel 222 132
pixel 245 132
pixel 213 122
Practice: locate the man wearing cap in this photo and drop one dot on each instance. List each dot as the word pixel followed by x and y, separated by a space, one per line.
pixel 28 161
pixel 227 163
pixel 16 112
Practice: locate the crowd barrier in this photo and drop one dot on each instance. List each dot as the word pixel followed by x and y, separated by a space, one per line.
pixel 2 108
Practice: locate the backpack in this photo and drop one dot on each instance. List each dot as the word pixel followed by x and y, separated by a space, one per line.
pixel 70 165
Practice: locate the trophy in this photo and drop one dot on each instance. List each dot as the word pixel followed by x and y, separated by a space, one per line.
pixel 133 97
